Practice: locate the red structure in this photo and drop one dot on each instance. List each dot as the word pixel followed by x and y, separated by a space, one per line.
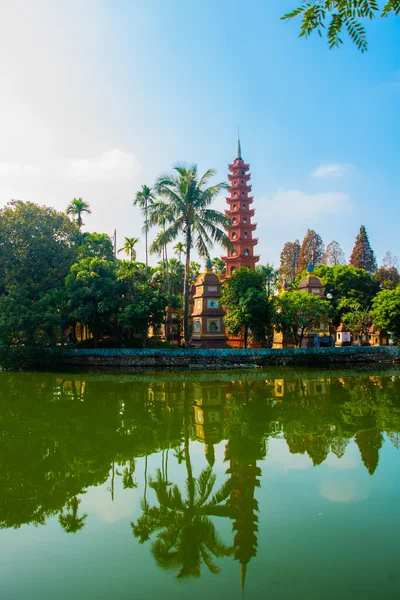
pixel 240 214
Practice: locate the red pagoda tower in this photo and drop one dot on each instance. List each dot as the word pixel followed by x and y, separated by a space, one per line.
pixel 240 214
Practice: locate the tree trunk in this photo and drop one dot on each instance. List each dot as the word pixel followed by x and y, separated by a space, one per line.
pixel 186 290
pixel 246 335
pixel 146 234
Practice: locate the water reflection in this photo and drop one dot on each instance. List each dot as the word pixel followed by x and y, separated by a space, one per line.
pixel 63 434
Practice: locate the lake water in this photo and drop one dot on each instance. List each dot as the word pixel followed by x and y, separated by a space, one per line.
pixel 278 484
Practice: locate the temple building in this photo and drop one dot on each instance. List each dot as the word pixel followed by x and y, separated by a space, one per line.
pixel 240 214
pixel 207 313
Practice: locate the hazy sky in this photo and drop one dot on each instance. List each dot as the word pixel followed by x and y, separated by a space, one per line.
pixel 98 97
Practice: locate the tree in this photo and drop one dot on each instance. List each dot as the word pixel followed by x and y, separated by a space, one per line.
pixel 247 305
pixel 333 255
pixel 363 256
pixel 96 245
pixel 37 247
pixel 92 291
pixel 189 199
pixel 312 250
pixel 346 282
pixel 194 270
pixel 297 312
pixel 76 208
pixel 356 318
pixel 270 275
pixel 142 302
pixel 386 311
pixel 344 15
pixel 218 265
pixel 179 249
pixel 70 521
pixel 388 278
pixel 289 262
pixel 129 247
pixel 390 261
pixel 144 199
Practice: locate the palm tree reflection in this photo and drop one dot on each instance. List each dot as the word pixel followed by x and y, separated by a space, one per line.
pixel 70 521
pixel 186 536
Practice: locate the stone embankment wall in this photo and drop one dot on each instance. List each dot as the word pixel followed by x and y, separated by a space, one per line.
pixel 132 359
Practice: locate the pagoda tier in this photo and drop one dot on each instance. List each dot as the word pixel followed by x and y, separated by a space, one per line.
pixel 241 231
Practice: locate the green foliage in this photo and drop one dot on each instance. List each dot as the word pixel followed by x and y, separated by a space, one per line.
pixel 356 318
pixel 129 247
pixel 37 247
pixel 92 291
pixel 344 15
pixel 76 208
pixel 386 311
pixel 271 276
pixel 96 245
pixel 298 312
pixel 347 283
pixel 186 212
pixel 218 265
pixel 246 301
pixel 142 303
pixel 363 256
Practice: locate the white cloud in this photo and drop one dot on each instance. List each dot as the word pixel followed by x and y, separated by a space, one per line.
pixel 296 205
pixel 109 166
pixel 331 170
pixel 343 492
pixel 9 169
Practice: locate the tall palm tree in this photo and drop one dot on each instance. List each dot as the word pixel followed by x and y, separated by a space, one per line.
pixel 179 249
pixel 188 199
pixel 129 247
pixel 144 199
pixel 76 208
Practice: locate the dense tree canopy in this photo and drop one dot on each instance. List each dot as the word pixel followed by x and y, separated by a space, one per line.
pixel 249 310
pixel 386 311
pixel 298 312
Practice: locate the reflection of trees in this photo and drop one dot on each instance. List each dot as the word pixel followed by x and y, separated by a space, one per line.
pixel 369 443
pixel 69 520
pixel 62 434
pixel 186 536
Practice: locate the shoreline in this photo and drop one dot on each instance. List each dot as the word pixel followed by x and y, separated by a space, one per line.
pixel 228 359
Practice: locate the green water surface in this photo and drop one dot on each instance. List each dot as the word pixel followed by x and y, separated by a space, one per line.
pixel 275 484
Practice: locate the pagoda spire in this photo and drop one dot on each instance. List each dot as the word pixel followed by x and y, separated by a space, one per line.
pixel 241 230
pixel 239 147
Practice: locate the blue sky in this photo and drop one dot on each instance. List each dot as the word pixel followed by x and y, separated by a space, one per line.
pixel 102 96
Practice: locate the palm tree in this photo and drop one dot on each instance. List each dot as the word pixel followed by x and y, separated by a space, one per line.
pixel 179 248
pixel 70 521
pixel 189 214
pixel 144 199
pixel 129 247
pixel 76 207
